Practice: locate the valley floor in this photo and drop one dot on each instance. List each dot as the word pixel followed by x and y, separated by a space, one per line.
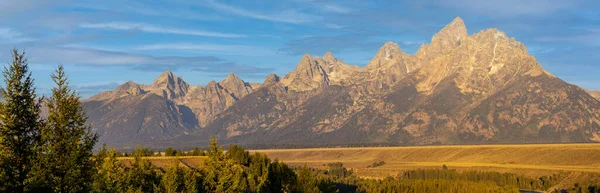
pixel 529 159
pixel 579 161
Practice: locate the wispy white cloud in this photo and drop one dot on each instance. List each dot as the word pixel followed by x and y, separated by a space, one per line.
pixel 190 46
pixel 508 7
pixel 82 56
pixel 96 87
pixel 333 26
pixel 8 8
pixel 270 36
pixel 156 29
pixel 143 8
pixel 285 16
pixel 210 48
pixel 336 44
pixel 9 35
pixel 47 57
pixel 585 36
pixel 335 8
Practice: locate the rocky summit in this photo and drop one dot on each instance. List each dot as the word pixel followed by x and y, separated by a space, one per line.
pixel 459 89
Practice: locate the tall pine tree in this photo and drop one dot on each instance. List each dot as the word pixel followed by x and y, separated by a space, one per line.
pixel 67 163
pixel 19 125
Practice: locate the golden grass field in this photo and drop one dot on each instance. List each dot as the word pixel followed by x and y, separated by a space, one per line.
pixel 535 158
pixel 580 161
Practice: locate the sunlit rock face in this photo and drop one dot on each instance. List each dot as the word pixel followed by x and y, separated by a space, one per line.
pixel 459 89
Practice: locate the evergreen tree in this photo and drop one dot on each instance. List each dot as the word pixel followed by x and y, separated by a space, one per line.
pixel 238 155
pixel 100 156
pixel 222 174
pixel 111 177
pixel 281 177
pixel 307 182
pixel 172 180
pixel 215 165
pixel 142 174
pixel 196 152
pixel 190 181
pixel 258 172
pixel 67 141
pixel 170 151
pixel 19 125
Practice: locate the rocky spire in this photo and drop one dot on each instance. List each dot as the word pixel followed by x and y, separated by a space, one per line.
pixel 164 79
pixel 231 79
pixel 451 36
pixel 128 89
pixel 170 86
pixel 308 75
pixel 235 86
pixel 336 69
pixel 389 53
pixel 328 57
pixel 271 79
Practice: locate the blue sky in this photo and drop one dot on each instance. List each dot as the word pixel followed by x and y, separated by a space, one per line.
pixel 105 43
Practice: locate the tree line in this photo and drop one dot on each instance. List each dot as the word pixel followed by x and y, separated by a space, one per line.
pixel 233 171
pixel 170 151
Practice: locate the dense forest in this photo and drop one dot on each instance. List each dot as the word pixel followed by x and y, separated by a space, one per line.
pixel 54 154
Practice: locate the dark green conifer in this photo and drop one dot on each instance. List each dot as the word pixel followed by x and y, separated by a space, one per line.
pixel 19 125
pixel 66 161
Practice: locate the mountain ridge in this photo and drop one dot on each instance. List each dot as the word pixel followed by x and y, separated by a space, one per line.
pixel 459 89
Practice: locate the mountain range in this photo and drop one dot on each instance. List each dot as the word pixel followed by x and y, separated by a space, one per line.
pixel 459 89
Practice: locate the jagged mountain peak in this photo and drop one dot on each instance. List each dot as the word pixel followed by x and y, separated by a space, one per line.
pixel 165 74
pixel 328 57
pixel 452 34
pixel 232 78
pixel 231 75
pixel 308 75
pixel 166 79
pixel 448 38
pixel 389 65
pixel 306 62
pixel 271 79
pixel 212 83
pixel 390 44
pixel 457 22
pixel 306 56
pixel 457 89
pixel 127 85
pixel 389 53
pixel 128 89
pixel 169 86
pixel 479 65
pixel 236 86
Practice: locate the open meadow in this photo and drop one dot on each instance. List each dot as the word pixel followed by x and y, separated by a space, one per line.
pixel 578 162
pixel 530 159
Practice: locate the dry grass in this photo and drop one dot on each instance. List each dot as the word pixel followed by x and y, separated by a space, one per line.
pixel 532 160
pixel 166 162
pixel 581 161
